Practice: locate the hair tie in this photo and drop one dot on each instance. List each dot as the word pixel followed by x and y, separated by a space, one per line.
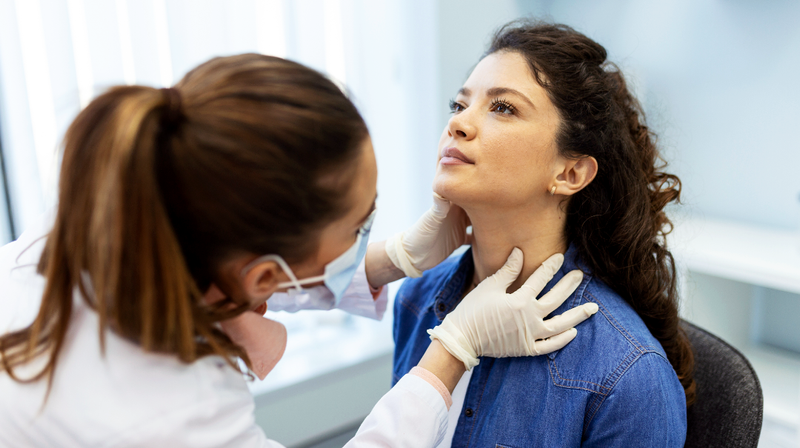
pixel 173 110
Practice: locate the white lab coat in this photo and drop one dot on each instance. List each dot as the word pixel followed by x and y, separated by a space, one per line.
pixel 130 398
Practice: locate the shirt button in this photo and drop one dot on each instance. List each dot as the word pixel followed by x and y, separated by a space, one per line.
pixel 468 412
pixel 441 307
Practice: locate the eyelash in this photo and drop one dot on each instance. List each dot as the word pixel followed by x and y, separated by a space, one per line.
pixel 501 102
pixel 458 107
pixel 454 106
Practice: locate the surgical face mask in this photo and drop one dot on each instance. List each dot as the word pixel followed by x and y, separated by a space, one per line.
pixel 338 274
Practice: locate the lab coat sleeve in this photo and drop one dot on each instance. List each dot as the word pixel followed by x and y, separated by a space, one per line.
pixel 358 299
pixel 412 414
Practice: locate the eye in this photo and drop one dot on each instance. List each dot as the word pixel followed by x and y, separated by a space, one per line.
pixel 366 226
pixel 502 106
pixel 362 232
pixel 456 107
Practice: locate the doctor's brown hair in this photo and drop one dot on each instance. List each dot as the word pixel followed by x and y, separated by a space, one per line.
pixel 617 222
pixel 158 187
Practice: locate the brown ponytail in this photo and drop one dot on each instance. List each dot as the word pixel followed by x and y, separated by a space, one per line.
pixel 159 187
pixel 617 222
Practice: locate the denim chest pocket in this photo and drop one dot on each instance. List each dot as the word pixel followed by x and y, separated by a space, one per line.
pixel 498 445
pixel 577 380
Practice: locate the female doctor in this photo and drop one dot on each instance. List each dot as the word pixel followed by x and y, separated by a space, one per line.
pixel 181 211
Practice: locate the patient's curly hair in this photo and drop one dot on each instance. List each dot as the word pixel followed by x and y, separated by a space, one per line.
pixel 617 222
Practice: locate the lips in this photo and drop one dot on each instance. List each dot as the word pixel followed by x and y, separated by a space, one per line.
pixel 452 156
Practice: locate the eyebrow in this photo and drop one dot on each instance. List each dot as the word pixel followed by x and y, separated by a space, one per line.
pixel 497 91
pixel 371 209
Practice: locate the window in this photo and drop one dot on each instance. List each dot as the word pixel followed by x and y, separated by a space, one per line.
pixel 6 224
pixel 56 55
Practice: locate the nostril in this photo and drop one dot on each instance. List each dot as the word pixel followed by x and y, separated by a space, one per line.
pixel 461 133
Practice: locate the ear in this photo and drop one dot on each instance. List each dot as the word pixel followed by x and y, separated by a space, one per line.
pixel 261 281
pixel 575 175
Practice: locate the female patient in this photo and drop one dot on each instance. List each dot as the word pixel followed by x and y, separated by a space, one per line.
pixel 547 151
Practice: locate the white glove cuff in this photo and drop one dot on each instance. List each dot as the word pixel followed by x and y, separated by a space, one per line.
pixel 397 253
pixel 458 346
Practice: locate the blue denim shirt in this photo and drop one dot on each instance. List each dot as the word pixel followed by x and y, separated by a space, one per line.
pixel 612 386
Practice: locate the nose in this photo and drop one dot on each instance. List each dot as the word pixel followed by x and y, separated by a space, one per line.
pixel 460 126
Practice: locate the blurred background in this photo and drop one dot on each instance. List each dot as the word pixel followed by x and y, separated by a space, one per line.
pixel 718 80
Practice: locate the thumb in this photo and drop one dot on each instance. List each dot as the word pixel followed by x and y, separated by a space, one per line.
pixel 441 206
pixel 510 271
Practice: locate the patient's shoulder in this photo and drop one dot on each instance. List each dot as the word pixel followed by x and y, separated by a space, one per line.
pixel 607 345
pixel 625 327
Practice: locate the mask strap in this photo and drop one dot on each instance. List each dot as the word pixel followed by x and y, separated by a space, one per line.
pixel 286 269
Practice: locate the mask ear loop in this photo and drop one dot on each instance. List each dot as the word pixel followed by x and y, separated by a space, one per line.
pixel 297 287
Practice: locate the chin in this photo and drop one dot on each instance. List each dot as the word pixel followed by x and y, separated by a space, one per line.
pixel 452 191
pixel 442 186
pixel 473 195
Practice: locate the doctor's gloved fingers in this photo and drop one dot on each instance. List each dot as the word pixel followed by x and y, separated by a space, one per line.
pixel 441 207
pixel 510 271
pixel 541 276
pixel 570 318
pixel 560 292
pixel 553 343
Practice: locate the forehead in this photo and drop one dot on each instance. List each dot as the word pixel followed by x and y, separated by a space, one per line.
pixel 366 179
pixel 504 69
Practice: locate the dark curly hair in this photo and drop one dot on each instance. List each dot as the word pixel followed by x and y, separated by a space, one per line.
pixel 617 222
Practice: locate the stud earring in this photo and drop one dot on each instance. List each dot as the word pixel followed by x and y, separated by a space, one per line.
pixel 553 191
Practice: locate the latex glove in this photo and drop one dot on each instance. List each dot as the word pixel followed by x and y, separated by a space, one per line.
pixel 491 322
pixel 432 239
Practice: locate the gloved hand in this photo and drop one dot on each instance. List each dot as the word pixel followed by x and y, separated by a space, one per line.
pixel 490 322
pixel 439 232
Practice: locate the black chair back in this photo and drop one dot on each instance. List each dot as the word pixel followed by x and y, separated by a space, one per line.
pixel 729 408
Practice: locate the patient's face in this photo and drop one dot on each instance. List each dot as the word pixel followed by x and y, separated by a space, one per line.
pixel 504 127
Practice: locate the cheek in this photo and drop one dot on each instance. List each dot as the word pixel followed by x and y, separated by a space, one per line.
pixel 513 163
pixel 333 241
pixel 514 158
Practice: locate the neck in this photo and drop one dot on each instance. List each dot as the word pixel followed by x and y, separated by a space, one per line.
pixel 539 233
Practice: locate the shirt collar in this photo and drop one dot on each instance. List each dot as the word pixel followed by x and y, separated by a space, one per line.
pixel 451 288
pixel 449 292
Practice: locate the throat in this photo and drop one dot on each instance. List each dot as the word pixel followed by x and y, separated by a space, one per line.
pixel 492 246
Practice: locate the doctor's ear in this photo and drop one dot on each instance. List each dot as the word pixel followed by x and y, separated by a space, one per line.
pixel 261 280
pixel 574 175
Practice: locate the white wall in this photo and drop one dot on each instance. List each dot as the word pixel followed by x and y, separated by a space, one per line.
pixel 393 83
pixel 465 28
